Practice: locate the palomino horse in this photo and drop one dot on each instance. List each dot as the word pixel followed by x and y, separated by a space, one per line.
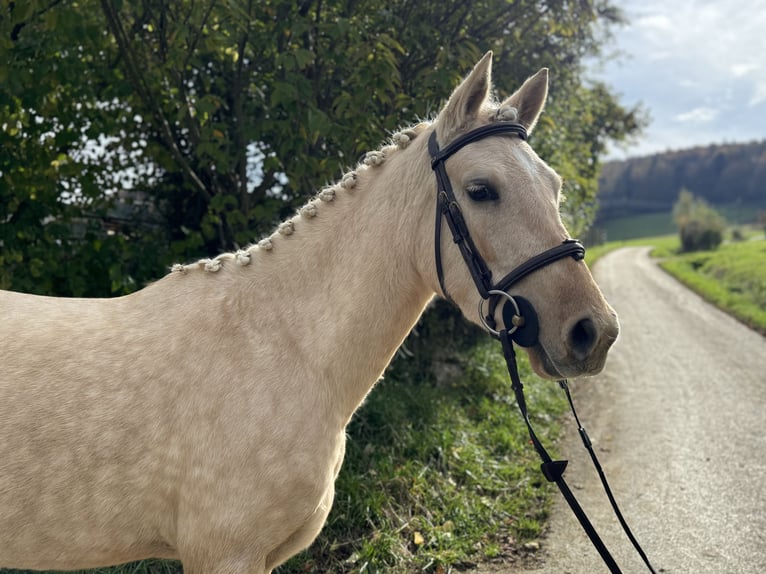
pixel 203 417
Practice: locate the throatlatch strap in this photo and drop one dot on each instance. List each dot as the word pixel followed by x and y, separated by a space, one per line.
pixel 552 470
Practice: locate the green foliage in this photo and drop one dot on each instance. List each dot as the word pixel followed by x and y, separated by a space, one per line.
pixel 218 118
pixel 573 135
pixel 700 226
pixel 699 235
pixel 55 215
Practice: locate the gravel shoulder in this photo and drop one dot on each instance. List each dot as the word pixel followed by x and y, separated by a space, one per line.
pixel 678 419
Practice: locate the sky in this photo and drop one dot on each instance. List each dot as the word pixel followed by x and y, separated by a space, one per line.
pixel 697 66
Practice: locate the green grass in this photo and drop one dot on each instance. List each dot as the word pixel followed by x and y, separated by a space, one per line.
pixel 733 277
pixel 638 226
pixel 658 224
pixel 437 472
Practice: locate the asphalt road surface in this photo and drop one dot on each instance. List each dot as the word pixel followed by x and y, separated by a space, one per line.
pixel 677 418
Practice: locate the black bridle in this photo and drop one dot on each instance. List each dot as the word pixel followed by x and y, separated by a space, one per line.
pixel 447 207
pixel 519 318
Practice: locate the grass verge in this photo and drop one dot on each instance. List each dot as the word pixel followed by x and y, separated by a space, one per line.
pixel 733 278
pixel 438 471
pixel 662 246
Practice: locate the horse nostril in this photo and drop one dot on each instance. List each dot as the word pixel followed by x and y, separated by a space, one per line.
pixel 583 337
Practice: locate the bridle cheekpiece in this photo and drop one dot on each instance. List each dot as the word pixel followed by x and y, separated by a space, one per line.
pixel 448 208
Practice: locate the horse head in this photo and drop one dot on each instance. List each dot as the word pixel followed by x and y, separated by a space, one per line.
pixel 507 201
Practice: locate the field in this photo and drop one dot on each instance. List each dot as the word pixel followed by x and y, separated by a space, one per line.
pixel 658 224
pixel 637 226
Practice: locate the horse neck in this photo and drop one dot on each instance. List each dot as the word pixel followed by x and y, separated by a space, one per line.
pixel 350 281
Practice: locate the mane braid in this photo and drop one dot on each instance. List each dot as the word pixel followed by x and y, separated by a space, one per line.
pixel 243 257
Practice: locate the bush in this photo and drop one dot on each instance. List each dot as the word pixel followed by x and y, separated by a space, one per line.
pixel 701 227
pixel 699 235
pixel 762 220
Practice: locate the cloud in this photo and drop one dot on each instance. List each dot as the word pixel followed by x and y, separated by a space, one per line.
pixel 693 63
pixel 759 95
pixel 744 69
pixel 698 115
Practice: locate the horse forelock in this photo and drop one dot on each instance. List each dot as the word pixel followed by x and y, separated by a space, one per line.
pixel 312 209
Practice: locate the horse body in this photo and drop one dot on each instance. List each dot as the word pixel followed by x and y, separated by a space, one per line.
pixel 203 417
pixel 207 399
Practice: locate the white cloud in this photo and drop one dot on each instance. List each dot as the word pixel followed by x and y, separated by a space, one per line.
pixel 744 69
pixel 759 95
pixel 698 115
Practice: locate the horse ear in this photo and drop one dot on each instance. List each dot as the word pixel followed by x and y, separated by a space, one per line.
pixel 529 99
pixel 467 101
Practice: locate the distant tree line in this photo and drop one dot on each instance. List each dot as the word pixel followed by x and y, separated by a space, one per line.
pixel 720 174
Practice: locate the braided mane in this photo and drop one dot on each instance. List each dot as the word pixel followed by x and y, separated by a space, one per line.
pixel 243 257
pixel 398 141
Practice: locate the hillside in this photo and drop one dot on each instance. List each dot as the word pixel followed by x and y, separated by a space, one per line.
pixel 723 174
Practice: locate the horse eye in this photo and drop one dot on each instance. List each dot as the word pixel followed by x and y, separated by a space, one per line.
pixel 481 192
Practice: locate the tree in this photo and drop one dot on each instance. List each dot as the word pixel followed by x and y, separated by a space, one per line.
pixel 700 226
pixel 223 116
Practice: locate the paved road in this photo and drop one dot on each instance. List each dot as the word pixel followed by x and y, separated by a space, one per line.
pixel 678 418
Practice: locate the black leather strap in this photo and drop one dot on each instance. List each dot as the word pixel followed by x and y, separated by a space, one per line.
pixel 570 247
pixel 448 208
pixel 607 489
pixel 496 128
pixel 553 470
